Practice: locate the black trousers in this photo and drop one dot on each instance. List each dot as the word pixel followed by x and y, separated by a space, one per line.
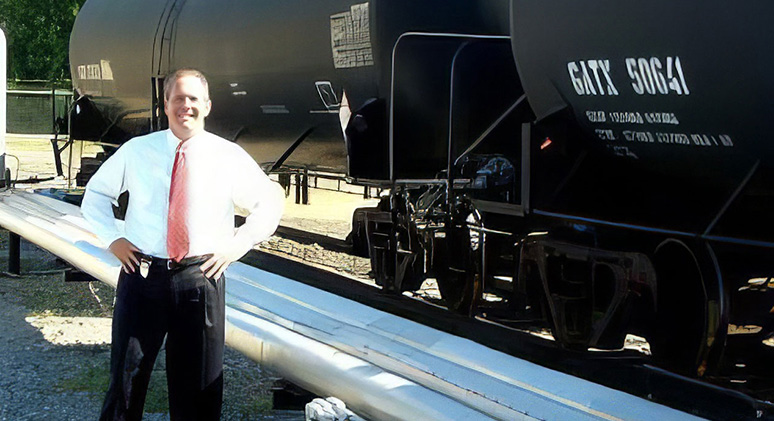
pixel 189 309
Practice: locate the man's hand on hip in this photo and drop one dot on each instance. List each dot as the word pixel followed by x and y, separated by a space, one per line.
pixel 216 265
pixel 125 252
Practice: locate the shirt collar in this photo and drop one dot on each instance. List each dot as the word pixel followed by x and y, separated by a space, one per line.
pixel 173 141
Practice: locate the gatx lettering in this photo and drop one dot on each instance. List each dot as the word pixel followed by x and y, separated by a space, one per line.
pixel 591 77
pixel 649 76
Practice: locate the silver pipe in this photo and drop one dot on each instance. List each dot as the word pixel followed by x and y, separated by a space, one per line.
pixel 382 366
pixel 370 391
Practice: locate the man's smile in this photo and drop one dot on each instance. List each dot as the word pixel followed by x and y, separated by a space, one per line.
pixel 186 107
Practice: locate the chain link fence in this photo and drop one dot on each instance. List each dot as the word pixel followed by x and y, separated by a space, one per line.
pixel 34 108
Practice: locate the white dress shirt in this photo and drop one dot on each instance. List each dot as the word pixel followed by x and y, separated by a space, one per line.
pixel 222 177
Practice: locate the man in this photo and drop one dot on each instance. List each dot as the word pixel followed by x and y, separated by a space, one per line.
pixel 177 240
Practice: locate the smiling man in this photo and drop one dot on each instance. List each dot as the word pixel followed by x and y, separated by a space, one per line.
pixel 177 240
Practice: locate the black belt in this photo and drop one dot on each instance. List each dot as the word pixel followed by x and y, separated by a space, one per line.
pixel 169 264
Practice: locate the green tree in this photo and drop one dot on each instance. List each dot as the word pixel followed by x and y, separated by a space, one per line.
pixel 38 33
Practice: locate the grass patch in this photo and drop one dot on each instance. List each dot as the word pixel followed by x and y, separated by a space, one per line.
pixel 157 399
pixel 247 395
pixel 252 408
pixel 93 378
pixel 246 392
pixel 50 295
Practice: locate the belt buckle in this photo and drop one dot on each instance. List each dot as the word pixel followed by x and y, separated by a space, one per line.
pixel 170 262
pixel 144 267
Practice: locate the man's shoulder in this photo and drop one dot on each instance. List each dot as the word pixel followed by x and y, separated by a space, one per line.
pixel 224 144
pixel 212 137
pixel 144 141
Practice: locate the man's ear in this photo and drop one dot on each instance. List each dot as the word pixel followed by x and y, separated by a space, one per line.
pixel 207 108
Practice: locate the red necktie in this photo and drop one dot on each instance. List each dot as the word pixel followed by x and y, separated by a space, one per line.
pixel 177 231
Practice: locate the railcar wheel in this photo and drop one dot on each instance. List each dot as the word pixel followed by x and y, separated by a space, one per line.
pixel 679 329
pixel 458 269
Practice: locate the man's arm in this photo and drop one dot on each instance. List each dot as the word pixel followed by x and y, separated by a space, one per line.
pixel 263 200
pixel 101 194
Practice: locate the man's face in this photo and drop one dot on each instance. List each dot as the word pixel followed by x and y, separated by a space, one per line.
pixel 186 106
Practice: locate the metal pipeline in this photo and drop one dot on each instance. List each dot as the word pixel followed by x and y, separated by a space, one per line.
pixel 382 366
pixel 370 391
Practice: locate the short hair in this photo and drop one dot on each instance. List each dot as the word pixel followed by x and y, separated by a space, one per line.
pixel 172 78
